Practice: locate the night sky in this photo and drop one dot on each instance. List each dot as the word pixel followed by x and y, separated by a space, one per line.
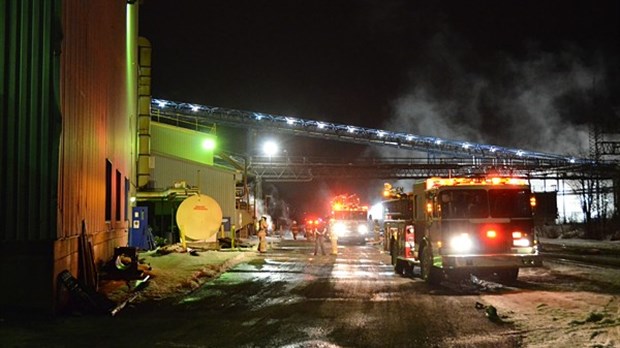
pixel 523 74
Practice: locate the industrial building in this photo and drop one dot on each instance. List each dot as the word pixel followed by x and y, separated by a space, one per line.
pixel 78 150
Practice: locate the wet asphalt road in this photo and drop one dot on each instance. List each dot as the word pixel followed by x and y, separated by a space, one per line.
pixel 291 298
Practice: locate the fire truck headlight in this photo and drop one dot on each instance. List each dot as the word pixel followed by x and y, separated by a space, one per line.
pixel 461 243
pixel 523 242
pixel 362 229
pixel 340 229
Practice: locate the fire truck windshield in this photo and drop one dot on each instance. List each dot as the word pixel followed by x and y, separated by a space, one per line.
pixel 480 203
pixel 349 215
pixel 510 203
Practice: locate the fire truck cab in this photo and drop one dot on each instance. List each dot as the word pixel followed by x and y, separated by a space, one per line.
pixel 456 226
pixel 349 222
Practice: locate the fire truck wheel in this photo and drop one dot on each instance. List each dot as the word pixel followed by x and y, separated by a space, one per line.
pixel 393 254
pixel 408 270
pixel 429 272
pixel 507 275
pixel 399 267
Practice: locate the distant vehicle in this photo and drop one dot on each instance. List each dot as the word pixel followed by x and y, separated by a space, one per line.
pixel 455 226
pixel 349 220
pixel 310 225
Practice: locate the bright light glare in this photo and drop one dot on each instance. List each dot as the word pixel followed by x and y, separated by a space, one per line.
pixel 461 243
pixel 290 121
pixel 321 125
pixel 380 134
pixel 208 144
pixel 351 129
pixel 194 108
pixel 270 148
pixel 340 228
pixel 363 229
pixel 409 138
pixel 376 211
pixel 523 242
pixel 437 141
pixel 161 103
pixel 466 146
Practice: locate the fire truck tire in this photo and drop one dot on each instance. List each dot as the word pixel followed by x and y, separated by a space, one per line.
pixel 508 275
pixel 430 273
pixel 408 269
pixel 399 267
pixel 393 254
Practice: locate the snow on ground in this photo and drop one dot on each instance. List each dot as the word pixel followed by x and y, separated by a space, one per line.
pixel 176 272
pixel 583 243
pixel 551 319
pixel 562 305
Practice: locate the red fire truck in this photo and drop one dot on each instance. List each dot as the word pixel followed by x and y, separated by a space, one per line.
pixel 457 226
pixel 349 219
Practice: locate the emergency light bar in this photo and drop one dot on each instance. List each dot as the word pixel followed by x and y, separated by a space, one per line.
pixel 347 203
pixel 437 182
pixel 340 207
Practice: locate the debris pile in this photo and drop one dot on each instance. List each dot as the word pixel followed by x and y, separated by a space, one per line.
pixel 124 266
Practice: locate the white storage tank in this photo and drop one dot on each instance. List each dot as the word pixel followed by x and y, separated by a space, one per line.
pixel 199 218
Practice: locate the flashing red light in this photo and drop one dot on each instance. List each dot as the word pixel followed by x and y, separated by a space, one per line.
pixel 491 234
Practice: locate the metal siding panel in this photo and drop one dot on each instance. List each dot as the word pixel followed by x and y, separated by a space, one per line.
pixel 96 114
pixel 30 119
pixel 50 184
pixel 214 182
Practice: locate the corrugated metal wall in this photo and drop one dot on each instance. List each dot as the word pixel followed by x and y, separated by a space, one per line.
pixel 66 111
pixel 214 182
pixel 30 118
pixel 96 118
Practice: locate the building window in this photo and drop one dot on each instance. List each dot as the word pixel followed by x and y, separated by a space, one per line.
pixel 126 218
pixel 118 197
pixel 108 190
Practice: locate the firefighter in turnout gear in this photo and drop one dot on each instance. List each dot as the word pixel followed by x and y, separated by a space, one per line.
pixel 295 230
pixel 333 238
pixel 319 233
pixel 262 235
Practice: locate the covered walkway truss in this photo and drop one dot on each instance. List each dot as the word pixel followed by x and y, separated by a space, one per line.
pixel 444 156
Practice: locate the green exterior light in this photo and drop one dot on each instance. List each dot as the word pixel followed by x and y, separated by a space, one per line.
pixel 208 144
pixel 182 143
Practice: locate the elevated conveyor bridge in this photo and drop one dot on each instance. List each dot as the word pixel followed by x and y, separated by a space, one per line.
pixel 445 157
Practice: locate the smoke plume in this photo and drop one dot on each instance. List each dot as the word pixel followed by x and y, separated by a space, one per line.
pixel 541 102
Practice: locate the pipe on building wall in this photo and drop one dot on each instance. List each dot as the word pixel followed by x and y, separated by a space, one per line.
pixel 170 194
pixel 144 112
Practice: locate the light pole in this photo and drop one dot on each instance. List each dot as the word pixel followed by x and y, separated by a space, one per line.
pixel 270 149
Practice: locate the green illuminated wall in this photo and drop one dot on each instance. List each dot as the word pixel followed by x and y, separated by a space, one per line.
pixel 181 142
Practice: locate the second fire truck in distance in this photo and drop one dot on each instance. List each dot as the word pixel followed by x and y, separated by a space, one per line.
pixel 457 226
pixel 349 220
